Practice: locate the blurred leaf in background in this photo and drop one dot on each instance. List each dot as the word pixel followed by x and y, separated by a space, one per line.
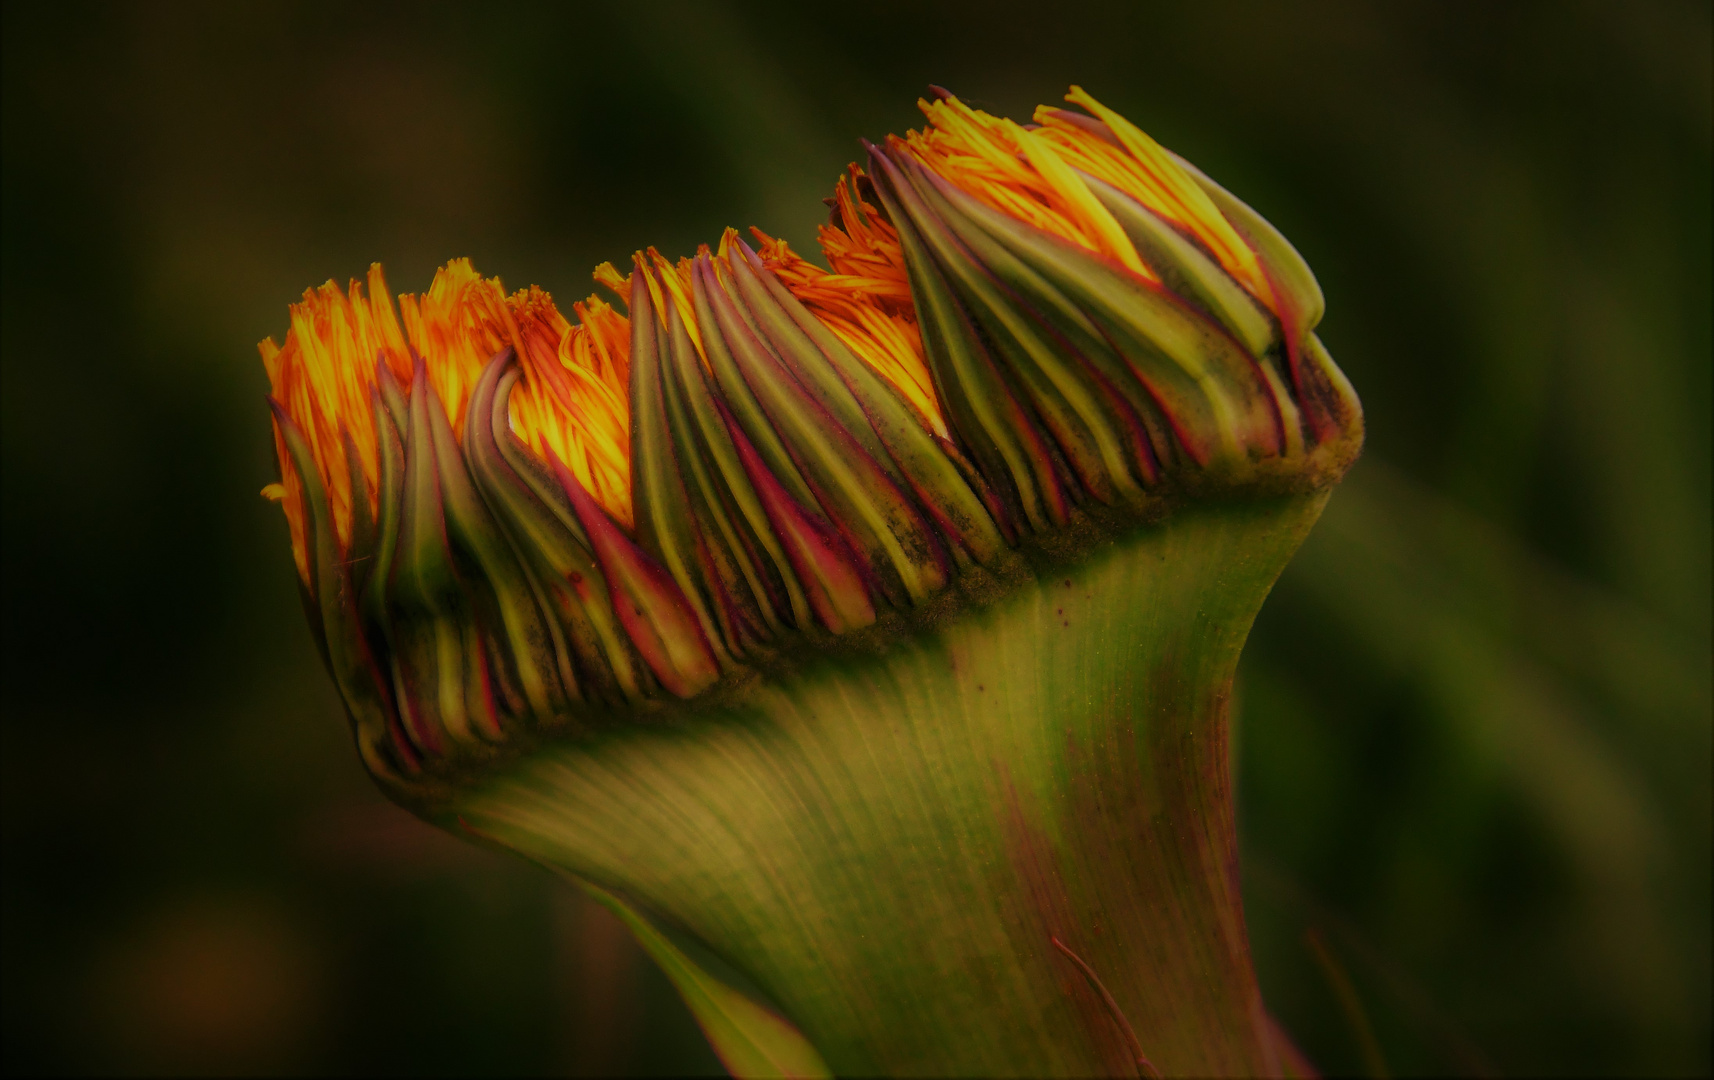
pixel 1474 753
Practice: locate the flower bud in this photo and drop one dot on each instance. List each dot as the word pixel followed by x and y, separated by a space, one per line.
pixel 906 595
pixel 508 524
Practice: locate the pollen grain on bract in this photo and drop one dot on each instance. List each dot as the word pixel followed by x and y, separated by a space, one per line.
pixel 510 523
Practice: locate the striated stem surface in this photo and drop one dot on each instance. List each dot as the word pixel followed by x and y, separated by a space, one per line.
pixel 1003 846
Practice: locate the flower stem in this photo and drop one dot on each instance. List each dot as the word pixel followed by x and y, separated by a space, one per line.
pixel 1000 846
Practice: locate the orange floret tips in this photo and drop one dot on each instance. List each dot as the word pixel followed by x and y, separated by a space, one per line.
pixel 1169 190
pixel 1019 173
pixel 458 324
pixel 574 399
pixel 322 377
pixel 1033 175
pixel 573 396
pixel 608 277
pixel 675 279
pixel 870 312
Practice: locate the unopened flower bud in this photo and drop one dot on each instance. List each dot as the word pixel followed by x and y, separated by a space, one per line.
pixel 838 518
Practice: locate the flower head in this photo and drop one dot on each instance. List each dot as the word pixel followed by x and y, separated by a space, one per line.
pixel 509 523
pixel 931 567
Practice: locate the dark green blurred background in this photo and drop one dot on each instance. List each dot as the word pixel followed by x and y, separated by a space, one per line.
pixel 1474 742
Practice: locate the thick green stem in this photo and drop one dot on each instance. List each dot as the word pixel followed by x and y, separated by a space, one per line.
pixel 890 847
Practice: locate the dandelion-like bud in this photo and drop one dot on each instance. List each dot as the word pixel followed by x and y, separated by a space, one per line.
pixel 764 483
